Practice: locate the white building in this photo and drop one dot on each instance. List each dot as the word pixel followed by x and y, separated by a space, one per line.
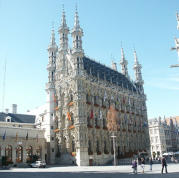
pixel 157 137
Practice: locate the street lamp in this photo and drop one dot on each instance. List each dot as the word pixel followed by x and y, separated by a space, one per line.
pixel 114 148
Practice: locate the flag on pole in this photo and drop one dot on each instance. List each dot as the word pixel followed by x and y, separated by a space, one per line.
pixel 27 136
pixel 16 136
pixel 4 136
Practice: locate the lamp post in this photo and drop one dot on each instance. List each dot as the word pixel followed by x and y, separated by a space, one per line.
pixel 114 148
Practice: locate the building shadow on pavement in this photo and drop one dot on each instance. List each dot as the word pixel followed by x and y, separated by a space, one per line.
pixel 87 174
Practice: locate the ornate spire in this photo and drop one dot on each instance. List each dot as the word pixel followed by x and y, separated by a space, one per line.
pixel 52 51
pixel 77 34
pixel 76 24
pixel 63 31
pixel 52 45
pixel 137 70
pixel 63 20
pixel 123 63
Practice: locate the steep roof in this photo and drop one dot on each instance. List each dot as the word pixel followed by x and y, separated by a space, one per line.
pixel 103 72
pixel 20 118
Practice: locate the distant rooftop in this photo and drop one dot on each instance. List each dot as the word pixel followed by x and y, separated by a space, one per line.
pixel 20 118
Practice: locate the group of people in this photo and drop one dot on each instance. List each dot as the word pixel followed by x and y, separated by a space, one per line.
pixel 141 163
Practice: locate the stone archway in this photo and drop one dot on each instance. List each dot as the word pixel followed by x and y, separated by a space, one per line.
pixel 39 152
pixel 19 154
pixel 29 154
pixel 8 153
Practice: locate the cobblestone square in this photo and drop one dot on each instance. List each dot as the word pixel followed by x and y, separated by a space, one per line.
pixel 87 172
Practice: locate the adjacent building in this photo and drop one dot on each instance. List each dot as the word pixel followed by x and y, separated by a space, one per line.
pixel 164 135
pixel 20 139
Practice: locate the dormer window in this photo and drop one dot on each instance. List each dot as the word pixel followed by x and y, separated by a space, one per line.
pixel 71 97
pixel 8 119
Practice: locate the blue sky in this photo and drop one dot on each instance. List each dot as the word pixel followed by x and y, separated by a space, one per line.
pixel 149 26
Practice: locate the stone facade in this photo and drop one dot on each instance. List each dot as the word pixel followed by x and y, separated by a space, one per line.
pixel 81 93
pixel 20 141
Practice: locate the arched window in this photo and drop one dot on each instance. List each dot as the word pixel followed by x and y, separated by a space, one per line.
pixel 72 119
pixel 64 144
pixel 102 101
pixel 87 97
pixel 29 153
pixel 97 148
pixel 90 152
pixel 105 147
pixel 112 149
pixel 71 97
pixel 39 152
pixel 52 76
pixel 73 146
pixel 19 154
pixel 104 123
pixel 96 122
pixel 78 60
pixel 118 151
pixel 88 121
pixel 8 153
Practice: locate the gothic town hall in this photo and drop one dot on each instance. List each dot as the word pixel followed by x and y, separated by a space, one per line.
pixel 88 102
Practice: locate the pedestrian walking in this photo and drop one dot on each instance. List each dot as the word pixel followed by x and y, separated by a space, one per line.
pixel 150 163
pixel 143 164
pixel 139 161
pixel 164 164
pixel 134 166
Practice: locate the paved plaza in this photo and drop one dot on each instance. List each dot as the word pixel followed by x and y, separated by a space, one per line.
pixel 91 171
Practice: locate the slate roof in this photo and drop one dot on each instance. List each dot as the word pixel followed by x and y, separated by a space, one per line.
pixel 96 69
pixel 20 118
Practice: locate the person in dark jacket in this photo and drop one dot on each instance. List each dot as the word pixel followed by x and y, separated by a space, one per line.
pixel 164 164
